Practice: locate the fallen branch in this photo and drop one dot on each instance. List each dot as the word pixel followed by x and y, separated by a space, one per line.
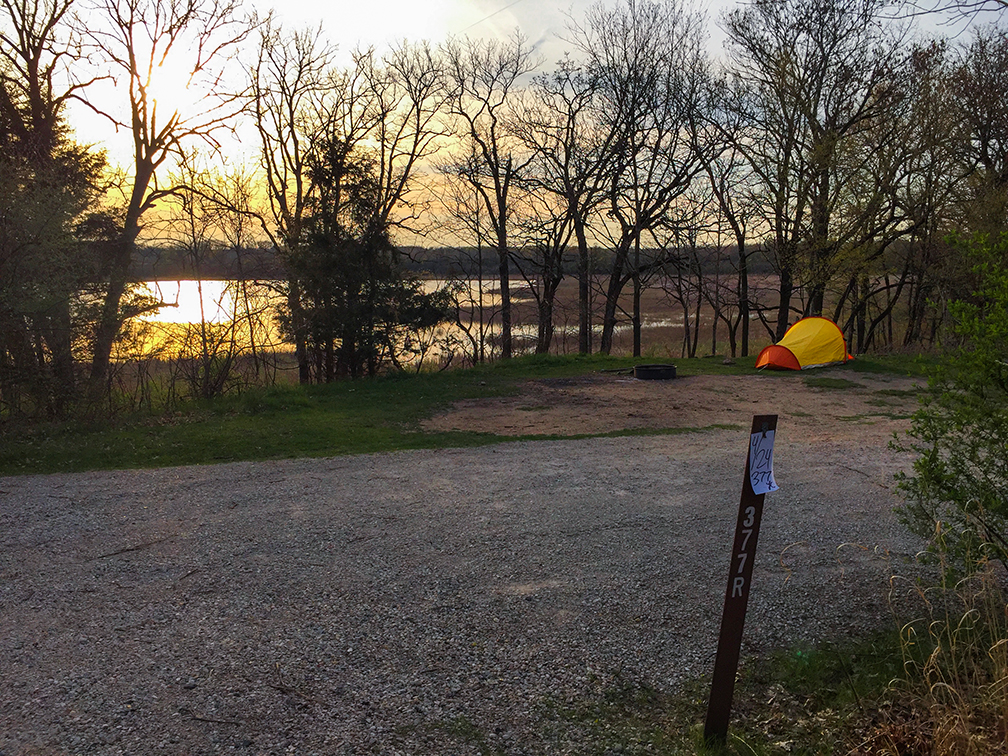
pixel 196 718
pixel 128 549
pixel 862 472
pixel 281 686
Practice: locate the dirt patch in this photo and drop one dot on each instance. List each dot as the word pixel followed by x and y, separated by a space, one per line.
pixel 828 404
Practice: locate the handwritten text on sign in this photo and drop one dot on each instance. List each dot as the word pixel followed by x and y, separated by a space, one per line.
pixel 761 462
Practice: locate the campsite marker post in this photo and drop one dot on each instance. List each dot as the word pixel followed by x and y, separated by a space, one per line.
pixel 758 480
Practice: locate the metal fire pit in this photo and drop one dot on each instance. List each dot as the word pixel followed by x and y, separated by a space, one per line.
pixel 654 372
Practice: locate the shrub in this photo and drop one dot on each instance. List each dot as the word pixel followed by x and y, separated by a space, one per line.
pixel 957 494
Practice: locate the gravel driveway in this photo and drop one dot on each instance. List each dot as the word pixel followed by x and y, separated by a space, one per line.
pixel 419 602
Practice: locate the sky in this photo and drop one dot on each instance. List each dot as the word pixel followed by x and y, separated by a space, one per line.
pixel 382 23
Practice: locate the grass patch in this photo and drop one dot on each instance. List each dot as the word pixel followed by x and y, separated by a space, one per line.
pixel 348 417
pixel 463 729
pixel 713 365
pixel 891 364
pixel 622 717
pixel 888 404
pixel 826 382
pixel 900 393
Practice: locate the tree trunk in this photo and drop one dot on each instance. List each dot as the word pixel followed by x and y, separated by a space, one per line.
pixel 699 305
pixel 109 323
pixel 785 289
pixel 820 248
pixel 613 291
pixel 744 295
pixel 545 330
pixel 504 276
pixel 108 320
pixel 716 304
pixel 584 304
pixel 61 347
pixel 299 327
pixel 815 302
pixel 862 313
pixel 636 300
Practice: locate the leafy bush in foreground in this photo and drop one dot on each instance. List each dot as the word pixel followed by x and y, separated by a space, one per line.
pixel 955 699
pixel 957 495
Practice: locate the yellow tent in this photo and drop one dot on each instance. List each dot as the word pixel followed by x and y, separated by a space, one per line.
pixel 809 343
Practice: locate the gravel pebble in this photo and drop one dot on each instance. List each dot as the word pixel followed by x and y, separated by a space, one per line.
pixel 399 603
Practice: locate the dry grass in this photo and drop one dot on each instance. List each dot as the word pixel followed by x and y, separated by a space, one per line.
pixel 953 697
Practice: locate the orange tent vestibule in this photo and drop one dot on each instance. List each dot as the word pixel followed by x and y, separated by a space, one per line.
pixel 809 343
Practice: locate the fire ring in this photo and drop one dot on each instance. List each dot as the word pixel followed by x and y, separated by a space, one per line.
pixel 654 372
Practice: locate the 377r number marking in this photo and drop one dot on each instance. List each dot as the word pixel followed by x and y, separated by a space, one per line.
pixel 738 583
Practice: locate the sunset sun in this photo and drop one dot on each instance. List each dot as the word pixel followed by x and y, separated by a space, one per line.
pixel 172 90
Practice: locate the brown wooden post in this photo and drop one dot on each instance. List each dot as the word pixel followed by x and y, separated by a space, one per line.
pixel 736 596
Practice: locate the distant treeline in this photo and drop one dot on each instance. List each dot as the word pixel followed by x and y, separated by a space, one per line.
pixel 266 263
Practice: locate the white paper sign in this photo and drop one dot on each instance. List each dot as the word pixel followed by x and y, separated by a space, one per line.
pixel 761 462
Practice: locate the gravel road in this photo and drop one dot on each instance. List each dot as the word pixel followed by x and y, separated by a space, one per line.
pixel 422 602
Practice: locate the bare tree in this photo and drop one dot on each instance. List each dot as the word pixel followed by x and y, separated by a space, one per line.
pixel 409 89
pixel 939 173
pixel 545 227
pixel 464 218
pixel 981 91
pixel 774 136
pixel 289 80
pixel 483 76
pixel 193 220
pixel 654 85
pixel 953 10
pixel 138 40
pixel 682 272
pixel 39 59
pixel 732 183
pixel 235 193
pixel 559 123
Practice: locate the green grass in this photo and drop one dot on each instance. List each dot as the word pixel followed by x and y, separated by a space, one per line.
pixel 892 364
pixel 825 382
pixel 805 701
pixel 900 393
pixel 349 417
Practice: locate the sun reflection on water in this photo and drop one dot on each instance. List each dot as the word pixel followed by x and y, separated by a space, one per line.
pixel 209 301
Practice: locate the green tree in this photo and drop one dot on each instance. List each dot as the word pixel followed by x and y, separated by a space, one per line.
pixel 46 183
pixel 957 494
pixel 980 98
pixel 355 299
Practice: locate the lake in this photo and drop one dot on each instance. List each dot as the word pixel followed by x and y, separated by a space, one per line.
pixel 223 302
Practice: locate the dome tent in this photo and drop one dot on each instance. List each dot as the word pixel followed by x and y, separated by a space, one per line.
pixel 809 343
